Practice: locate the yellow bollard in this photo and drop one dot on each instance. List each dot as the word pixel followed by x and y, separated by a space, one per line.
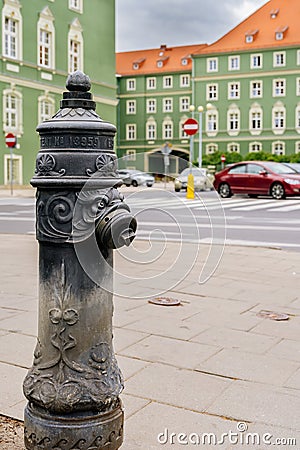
pixel 190 191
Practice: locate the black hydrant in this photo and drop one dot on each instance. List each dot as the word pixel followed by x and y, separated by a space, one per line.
pixel 74 384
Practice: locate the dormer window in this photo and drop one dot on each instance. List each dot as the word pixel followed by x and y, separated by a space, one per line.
pixel 184 61
pixel 162 61
pixel 138 63
pixel 250 36
pixel 280 32
pixel 274 13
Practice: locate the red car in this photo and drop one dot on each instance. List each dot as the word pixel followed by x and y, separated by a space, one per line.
pixel 258 178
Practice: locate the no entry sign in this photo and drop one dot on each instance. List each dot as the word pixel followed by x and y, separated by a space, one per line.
pixel 10 140
pixel 190 126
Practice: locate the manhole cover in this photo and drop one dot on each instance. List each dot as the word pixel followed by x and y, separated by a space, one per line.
pixel 165 301
pixel 273 315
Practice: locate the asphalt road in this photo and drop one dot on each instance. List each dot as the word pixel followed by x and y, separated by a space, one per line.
pixel 164 214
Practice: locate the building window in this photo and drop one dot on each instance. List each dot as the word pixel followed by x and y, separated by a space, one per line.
pixel 212 122
pixel 182 133
pixel 211 148
pixel 151 105
pixel 184 80
pixel 297 86
pixel 256 61
pixel 298 57
pixel 256 89
pixel 297 119
pixel 46 108
pixel 233 63
pixel 12 30
pixel 131 155
pixel 297 147
pixel 278 119
pixel 278 148
pixel 151 83
pixel 14 171
pixel 278 88
pixel 168 82
pixel 234 90
pixel 167 129
pixel 151 130
pixel 233 121
pixel 212 65
pixel 75 5
pixel 211 92
pixel 184 103
pixel 255 147
pixel 75 47
pixel 255 119
pixel 46 39
pixel 130 106
pixel 167 105
pixel 12 112
pixel 233 148
pixel 279 59
pixel 131 132
pixel 131 84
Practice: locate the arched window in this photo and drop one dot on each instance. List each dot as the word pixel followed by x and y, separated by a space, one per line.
pixel 212 122
pixel 75 46
pixel 278 118
pixel 167 128
pixel 46 39
pixel 12 112
pixel 182 133
pixel 255 119
pixel 233 120
pixel 151 129
pixel 12 30
pixel 46 108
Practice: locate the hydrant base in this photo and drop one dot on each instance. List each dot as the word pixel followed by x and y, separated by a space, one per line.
pixel 103 431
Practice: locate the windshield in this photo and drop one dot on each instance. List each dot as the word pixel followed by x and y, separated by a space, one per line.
pixel 279 168
pixel 196 172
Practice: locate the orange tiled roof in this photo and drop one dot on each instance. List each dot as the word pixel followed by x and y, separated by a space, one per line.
pixel 170 57
pixel 273 16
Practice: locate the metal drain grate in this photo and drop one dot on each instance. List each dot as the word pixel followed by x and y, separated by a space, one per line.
pixel 165 301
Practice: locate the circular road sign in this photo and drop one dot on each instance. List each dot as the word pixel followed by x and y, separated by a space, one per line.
pixel 10 140
pixel 223 158
pixel 190 126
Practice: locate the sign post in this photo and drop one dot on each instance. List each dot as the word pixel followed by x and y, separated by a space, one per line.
pixel 190 127
pixel 223 159
pixel 166 150
pixel 11 141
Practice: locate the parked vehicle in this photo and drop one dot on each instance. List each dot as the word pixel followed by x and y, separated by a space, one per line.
pixel 295 166
pixel 136 177
pixel 258 178
pixel 202 179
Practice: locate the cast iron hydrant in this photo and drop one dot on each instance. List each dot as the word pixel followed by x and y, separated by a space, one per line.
pixel 74 384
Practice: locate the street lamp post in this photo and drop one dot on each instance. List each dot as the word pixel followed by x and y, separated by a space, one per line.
pixel 201 110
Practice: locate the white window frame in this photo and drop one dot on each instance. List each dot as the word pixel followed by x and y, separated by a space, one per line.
pixel 168 105
pixel 297 86
pixel 298 58
pixel 212 92
pixel 234 62
pixel 297 118
pixel 44 101
pixel 211 148
pixel 151 83
pixel 253 58
pixel 235 121
pixel 46 25
pixel 151 105
pixel 185 80
pixel 8 127
pixel 282 56
pixel 151 128
pixel 255 144
pixel 168 82
pixel 297 147
pixel 279 87
pixel 184 104
pixel 234 88
pixel 131 131
pixel 131 84
pixel 212 122
pixel 130 106
pixel 76 5
pixel 12 11
pixel 167 128
pixel 130 155
pixel 256 91
pixel 255 117
pixel 75 59
pixel 275 150
pixel 212 65
pixel 7 161
pixel 182 133
pixel 278 114
pixel 233 147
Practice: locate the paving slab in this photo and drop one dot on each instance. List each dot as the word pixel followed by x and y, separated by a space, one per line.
pixel 11 390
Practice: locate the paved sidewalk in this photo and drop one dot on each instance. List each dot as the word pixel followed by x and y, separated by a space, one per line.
pixel 203 367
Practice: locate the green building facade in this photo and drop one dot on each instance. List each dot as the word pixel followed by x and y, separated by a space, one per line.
pixel 42 41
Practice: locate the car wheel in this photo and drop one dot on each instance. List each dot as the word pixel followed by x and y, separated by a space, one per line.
pixel 149 184
pixel 224 190
pixel 277 191
pixel 177 190
pixel 128 185
pixel 134 183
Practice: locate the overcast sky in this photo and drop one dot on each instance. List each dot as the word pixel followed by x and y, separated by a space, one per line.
pixel 142 24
